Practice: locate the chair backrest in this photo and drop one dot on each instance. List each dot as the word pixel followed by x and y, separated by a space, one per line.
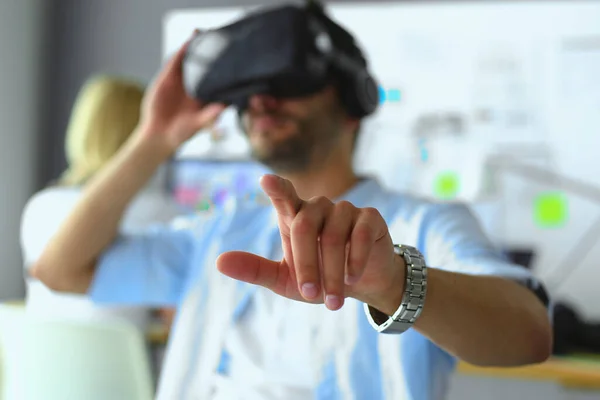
pixel 49 359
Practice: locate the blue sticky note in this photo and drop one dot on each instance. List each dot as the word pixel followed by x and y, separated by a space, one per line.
pixel 423 150
pixel 382 95
pixel 393 95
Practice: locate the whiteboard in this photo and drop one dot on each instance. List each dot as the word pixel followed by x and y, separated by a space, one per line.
pixel 465 83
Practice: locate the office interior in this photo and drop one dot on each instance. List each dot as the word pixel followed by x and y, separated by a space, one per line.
pixel 513 86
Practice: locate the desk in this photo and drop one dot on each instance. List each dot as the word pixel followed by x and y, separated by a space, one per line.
pixel 15 303
pixel 575 372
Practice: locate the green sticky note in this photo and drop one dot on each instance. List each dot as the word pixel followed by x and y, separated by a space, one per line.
pixel 446 185
pixel 203 205
pixel 551 210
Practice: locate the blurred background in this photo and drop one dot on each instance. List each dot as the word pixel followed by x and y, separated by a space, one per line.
pixel 494 103
pixel 49 49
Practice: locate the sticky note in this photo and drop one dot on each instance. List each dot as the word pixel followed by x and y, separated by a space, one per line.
pixel 382 95
pixel 393 95
pixel 203 205
pixel 446 185
pixel 550 210
pixel 423 150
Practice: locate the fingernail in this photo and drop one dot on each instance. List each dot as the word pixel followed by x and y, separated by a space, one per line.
pixel 264 176
pixel 279 179
pixel 333 302
pixel 309 290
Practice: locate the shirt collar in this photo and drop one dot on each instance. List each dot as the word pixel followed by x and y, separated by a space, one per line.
pixel 362 191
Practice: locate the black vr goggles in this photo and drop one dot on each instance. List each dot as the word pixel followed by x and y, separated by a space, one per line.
pixel 286 52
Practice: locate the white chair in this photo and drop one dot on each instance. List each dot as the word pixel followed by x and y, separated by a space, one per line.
pixel 44 359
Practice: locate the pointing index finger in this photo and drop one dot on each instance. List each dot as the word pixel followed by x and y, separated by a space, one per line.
pixel 282 195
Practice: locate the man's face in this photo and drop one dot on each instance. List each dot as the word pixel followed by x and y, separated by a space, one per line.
pixel 290 135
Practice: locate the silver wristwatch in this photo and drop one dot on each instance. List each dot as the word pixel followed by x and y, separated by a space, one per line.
pixel 412 300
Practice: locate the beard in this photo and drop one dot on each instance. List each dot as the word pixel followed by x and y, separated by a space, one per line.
pixel 312 140
pixel 288 155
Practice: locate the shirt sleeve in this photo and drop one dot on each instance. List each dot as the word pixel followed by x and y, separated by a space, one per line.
pixel 150 268
pixel 452 239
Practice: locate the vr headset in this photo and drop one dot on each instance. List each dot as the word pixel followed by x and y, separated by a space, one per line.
pixel 286 52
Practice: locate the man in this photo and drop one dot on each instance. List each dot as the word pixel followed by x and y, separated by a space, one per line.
pixel 264 334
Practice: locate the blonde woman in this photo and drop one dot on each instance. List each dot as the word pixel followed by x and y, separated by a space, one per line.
pixel 106 111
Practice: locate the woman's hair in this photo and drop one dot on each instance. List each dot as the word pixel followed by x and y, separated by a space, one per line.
pixel 106 112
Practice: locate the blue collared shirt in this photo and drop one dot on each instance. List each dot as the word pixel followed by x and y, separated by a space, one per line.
pixel 174 265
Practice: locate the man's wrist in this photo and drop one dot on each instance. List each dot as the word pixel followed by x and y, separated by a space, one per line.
pixel 150 143
pixel 389 300
pixel 392 316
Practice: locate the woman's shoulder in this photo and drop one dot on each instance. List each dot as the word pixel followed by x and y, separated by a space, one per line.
pixel 41 217
pixel 50 203
pixel 51 197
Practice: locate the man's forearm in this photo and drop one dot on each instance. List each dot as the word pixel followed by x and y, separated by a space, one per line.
pixel 68 260
pixel 483 320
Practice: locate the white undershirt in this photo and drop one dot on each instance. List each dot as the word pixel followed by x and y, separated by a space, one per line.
pixel 270 352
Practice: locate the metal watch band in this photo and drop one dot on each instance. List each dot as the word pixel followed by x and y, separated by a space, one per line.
pixel 412 300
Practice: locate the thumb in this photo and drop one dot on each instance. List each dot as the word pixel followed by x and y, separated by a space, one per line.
pixel 248 267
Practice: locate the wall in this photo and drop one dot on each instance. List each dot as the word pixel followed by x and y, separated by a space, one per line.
pixel 21 27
